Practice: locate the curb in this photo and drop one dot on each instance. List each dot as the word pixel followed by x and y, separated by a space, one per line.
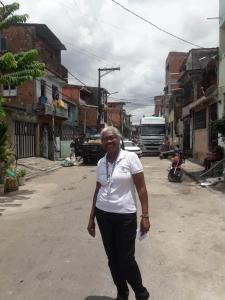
pixel 39 173
pixel 191 176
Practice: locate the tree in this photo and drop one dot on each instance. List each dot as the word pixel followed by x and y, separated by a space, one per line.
pixel 15 69
pixel 7 17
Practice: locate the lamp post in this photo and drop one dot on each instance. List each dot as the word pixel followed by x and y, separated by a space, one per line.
pixel 100 106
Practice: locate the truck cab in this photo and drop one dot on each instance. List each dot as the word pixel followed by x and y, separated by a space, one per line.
pixel 151 134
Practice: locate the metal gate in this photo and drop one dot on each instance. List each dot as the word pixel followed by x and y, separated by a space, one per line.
pixel 187 132
pixel 25 139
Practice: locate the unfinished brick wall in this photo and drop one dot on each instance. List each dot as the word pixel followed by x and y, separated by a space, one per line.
pixel 25 96
pixel 173 64
pixel 72 92
pixel 87 115
pixel 114 114
pixel 19 38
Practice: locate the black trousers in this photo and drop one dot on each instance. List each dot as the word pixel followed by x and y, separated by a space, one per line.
pixel 118 233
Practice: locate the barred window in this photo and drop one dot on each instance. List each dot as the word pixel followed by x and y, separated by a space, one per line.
pixel 200 119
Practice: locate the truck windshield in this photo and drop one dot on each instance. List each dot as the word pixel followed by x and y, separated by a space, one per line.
pixel 152 129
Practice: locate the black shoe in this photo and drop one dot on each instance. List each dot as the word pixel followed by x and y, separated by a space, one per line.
pixel 119 297
pixel 143 296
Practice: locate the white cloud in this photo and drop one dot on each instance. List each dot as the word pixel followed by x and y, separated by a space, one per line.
pixel 98 33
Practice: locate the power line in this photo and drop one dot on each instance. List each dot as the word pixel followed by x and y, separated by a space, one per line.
pixel 133 98
pixel 156 26
pixel 77 79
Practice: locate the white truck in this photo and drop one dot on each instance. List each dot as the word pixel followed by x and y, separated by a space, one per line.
pixel 151 134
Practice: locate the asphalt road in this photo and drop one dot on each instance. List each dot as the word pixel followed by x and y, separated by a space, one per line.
pixel 46 253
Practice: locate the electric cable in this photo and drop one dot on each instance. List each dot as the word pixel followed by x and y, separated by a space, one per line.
pixel 156 26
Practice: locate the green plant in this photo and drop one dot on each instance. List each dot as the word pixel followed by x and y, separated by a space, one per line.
pixel 218 125
pixel 3 130
pixel 20 173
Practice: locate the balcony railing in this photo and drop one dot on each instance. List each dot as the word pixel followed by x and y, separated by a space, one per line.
pixel 48 110
pixel 61 112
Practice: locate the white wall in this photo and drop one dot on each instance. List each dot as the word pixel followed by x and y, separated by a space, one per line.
pixel 50 80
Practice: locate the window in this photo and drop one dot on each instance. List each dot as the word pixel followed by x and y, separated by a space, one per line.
pixel 3 46
pixel 9 87
pixel 55 92
pixel 200 119
pixel 43 88
pixel 152 129
pixel 9 90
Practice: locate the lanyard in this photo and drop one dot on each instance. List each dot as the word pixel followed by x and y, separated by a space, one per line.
pixel 109 175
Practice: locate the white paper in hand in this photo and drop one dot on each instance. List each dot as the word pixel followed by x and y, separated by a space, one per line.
pixel 141 236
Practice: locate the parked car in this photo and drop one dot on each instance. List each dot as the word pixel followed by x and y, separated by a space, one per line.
pixel 132 147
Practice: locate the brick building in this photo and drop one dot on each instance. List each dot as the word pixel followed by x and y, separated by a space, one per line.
pixel 36 110
pixel 200 100
pixel 172 103
pixel 159 105
pixel 116 114
pixel 86 98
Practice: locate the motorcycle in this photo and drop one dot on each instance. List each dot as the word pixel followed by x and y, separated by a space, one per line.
pixel 175 173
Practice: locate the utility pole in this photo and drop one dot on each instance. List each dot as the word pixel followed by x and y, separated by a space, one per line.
pixel 100 106
pixel 53 133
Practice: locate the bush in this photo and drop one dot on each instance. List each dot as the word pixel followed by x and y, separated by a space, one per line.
pixel 20 173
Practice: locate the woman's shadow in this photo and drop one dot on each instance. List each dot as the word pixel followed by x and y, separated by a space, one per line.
pixel 98 298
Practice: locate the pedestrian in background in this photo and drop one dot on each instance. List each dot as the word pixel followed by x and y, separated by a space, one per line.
pixel 119 172
pixel 215 155
pixel 75 148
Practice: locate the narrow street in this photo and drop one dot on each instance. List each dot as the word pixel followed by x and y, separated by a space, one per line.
pixel 47 254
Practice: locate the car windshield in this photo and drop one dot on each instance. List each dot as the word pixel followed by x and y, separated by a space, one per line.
pixel 129 144
pixel 152 129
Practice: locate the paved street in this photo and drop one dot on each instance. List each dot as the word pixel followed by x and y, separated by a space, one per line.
pixel 46 253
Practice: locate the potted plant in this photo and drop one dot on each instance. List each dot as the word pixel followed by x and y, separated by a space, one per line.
pixel 11 184
pixel 20 174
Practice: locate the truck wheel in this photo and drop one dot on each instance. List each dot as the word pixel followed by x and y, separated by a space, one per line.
pixel 85 160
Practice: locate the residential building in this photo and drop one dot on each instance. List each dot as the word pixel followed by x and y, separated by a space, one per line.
pixel 171 104
pixel 221 83
pixel 86 98
pixel 159 105
pixel 199 107
pixel 36 110
pixel 116 115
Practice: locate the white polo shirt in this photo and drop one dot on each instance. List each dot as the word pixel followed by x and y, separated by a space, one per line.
pixel 118 194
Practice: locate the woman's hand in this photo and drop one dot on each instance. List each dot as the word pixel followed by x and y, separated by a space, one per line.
pixel 91 227
pixel 145 225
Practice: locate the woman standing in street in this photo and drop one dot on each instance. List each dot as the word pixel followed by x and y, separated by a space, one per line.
pixel 119 172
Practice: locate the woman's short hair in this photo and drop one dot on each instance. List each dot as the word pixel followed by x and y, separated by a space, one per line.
pixel 112 129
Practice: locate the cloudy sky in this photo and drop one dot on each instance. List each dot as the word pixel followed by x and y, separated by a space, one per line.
pixel 99 33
